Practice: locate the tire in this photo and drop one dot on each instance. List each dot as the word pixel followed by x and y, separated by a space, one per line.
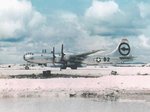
pixel 26 68
pixel 63 67
pixel 73 67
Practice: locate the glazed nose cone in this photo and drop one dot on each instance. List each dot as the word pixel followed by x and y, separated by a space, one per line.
pixel 26 57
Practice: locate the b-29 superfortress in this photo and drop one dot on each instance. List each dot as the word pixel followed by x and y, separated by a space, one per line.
pixel 95 57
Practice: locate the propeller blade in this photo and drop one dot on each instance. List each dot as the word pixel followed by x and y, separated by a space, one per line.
pixel 62 52
pixel 53 55
pixel 62 49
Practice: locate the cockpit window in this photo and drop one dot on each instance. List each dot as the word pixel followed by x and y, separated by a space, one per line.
pixel 29 53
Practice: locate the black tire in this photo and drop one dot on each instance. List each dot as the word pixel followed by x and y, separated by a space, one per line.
pixel 26 68
pixel 73 67
pixel 63 67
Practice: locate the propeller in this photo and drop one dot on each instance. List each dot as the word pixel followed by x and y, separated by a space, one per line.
pixel 53 52
pixel 24 57
pixel 62 53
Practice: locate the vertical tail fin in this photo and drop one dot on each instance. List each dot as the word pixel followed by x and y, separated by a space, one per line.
pixel 123 49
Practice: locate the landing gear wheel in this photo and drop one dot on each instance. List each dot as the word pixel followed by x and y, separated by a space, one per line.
pixel 63 67
pixel 26 68
pixel 73 67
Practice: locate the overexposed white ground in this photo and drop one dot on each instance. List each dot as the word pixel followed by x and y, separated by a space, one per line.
pixel 92 71
pixel 128 79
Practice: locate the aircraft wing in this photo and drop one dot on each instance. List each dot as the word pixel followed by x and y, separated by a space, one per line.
pixel 87 53
pixel 78 58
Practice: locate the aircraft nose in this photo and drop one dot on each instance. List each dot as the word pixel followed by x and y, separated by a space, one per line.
pixel 26 57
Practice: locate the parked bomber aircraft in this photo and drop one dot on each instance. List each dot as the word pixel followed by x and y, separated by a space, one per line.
pixel 63 60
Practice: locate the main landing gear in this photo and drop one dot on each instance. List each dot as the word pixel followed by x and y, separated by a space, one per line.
pixel 72 67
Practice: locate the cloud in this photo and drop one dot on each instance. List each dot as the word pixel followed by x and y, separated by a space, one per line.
pixel 17 18
pixel 116 20
pixel 19 21
pixel 145 15
pixel 144 41
pixel 102 25
pixel 144 9
pixel 102 10
pixel 107 18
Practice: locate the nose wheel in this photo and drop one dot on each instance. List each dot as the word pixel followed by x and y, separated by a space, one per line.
pixel 27 67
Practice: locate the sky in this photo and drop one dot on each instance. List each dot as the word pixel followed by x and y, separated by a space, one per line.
pixel 81 25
